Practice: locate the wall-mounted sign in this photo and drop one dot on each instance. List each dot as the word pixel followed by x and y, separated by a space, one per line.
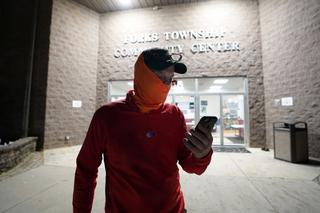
pixel 76 104
pixel 287 101
pixel 201 46
pixel 174 36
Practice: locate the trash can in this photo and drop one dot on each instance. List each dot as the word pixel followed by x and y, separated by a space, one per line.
pixel 290 141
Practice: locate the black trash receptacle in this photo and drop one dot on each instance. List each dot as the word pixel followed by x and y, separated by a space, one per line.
pixel 290 141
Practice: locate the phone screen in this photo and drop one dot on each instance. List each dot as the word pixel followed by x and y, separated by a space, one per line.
pixel 208 122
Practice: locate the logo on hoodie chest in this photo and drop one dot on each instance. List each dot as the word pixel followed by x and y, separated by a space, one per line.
pixel 150 134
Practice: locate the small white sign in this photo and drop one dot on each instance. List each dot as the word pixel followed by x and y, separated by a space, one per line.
pixel 76 104
pixel 287 101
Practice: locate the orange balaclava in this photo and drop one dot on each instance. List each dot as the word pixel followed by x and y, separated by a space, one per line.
pixel 150 91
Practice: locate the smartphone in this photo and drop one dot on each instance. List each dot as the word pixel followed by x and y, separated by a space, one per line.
pixel 208 122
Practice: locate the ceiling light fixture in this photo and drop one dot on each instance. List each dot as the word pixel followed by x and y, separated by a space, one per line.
pixel 125 3
pixel 220 81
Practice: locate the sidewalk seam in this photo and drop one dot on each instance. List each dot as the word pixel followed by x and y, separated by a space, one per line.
pixel 245 175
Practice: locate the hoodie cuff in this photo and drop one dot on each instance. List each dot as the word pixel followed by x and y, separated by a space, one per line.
pixel 205 158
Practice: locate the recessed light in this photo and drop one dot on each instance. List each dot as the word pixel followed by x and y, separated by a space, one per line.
pixel 220 81
pixel 125 3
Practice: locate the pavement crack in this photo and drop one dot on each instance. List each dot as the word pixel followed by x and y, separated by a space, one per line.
pixel 317 179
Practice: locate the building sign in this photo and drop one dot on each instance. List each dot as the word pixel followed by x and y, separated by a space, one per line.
pixel 204 42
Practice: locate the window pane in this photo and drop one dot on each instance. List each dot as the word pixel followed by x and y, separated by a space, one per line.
pixel 186 105
pixel 210 106
pixel 117 98
pixel 233 119
pixel 182 86
pixel 120 87
pixel 221 85
pixel 169 99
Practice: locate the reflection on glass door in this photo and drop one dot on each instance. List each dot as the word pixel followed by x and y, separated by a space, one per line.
pixel 233 119
pixel 210 106
pixel 186 105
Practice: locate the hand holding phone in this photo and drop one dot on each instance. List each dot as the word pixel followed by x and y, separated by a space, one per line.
pixel 207 122
pixel 199 140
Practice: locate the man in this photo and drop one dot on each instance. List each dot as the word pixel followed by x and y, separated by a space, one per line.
pixel 141 139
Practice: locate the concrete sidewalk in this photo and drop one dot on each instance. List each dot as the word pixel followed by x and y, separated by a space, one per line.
pixel 234 182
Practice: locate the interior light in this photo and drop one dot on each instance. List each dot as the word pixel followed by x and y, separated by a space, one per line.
pixel 220 81
pixel 125 3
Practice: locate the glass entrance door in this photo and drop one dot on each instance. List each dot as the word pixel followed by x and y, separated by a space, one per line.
pixel 197 97
pixel 210 106
pixel 233 119
pixel 229 130
pixel 187 107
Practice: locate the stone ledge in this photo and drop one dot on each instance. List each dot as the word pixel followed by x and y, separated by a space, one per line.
pixel 15 152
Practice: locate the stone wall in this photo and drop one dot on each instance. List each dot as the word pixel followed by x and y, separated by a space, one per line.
pixel 15 152
pixel 290 32
pixel 238 18
pixel 71 73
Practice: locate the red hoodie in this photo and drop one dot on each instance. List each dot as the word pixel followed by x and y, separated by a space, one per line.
pixel 140 152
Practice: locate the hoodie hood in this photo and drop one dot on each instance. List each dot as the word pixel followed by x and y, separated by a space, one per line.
pixel 150 91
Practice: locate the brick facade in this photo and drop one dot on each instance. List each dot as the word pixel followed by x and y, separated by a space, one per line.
pixel 279 61
pixel 291 64
pixel 71 73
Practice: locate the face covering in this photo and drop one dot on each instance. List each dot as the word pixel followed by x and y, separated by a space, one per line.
pixel 150 91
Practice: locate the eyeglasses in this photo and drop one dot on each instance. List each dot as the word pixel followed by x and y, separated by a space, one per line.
pixel 175 57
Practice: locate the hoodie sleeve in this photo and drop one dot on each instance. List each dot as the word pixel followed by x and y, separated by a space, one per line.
pixel 186 159
pixel 88 161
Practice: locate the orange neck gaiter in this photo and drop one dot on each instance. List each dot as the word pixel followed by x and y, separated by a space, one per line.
pixel 150 91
